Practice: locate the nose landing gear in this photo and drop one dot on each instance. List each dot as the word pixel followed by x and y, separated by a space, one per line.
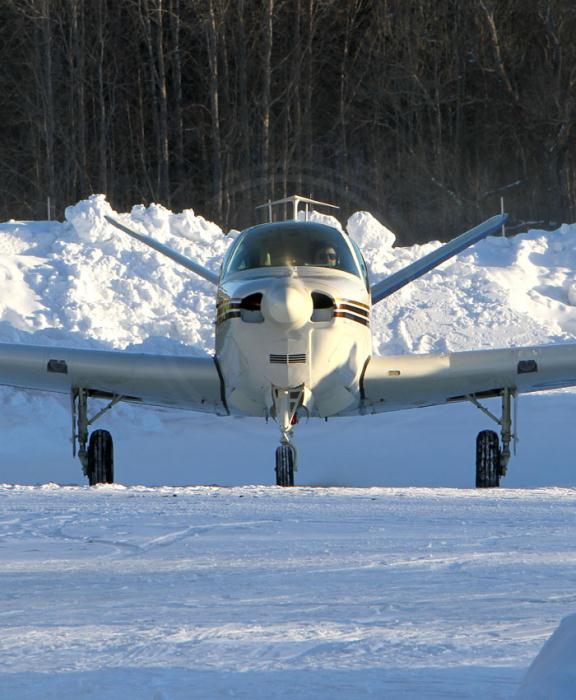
pixel 286 403
pixel 285 463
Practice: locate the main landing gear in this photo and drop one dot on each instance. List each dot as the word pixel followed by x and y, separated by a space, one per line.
pixel 286 403
pixel 100 458
pixel 488 460
pixel 492 452
pixel 97 453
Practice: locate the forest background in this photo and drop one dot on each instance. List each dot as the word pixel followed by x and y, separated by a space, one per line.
pixel 423 112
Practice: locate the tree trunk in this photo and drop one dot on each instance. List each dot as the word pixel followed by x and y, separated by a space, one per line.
pixel 267 183
pixel 214 86
pixel 176 69
pixel 163 149
pixel 48 109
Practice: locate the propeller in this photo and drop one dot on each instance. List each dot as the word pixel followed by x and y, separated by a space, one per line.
pixel 165 250
pixel 399 279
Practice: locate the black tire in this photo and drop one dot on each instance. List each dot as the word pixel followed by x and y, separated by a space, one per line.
pixel 487 460
pixel 285 459
pixel 100 458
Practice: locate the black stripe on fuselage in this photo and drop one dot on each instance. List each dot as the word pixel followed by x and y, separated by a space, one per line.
pixel 226 316
pixel 352 317
pixel 227 304
pixel 350 307
pixel 353 302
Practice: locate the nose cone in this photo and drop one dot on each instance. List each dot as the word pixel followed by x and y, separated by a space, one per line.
pixel 287 304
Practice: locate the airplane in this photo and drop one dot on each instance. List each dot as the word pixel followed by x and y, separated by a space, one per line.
pixel 293 341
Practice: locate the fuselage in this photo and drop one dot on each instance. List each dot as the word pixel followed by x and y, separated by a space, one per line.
pixel 293 313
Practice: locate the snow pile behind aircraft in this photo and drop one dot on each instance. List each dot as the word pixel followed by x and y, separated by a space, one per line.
pixel 80 282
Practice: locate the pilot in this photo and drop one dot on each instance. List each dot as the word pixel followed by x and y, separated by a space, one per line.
pixel 326 256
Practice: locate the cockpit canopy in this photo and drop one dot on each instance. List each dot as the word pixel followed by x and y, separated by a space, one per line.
pixel 290 244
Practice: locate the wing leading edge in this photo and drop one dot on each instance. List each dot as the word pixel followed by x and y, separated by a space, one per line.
pixel 409 381
pixel 158 380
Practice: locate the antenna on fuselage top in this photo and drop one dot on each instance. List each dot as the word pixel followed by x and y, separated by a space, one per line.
pixel 295 200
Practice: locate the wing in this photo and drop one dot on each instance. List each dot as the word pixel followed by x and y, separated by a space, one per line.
pixel 395 383
pixel 163 380
pixel 399 279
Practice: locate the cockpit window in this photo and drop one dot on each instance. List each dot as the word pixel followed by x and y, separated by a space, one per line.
pixel 290 245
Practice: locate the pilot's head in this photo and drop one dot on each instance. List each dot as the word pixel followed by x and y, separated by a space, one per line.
pixel 326 256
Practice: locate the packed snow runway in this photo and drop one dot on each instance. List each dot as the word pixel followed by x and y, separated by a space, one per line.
pixel 258 592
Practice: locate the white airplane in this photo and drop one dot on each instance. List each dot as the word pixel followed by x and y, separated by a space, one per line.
pixel 293 340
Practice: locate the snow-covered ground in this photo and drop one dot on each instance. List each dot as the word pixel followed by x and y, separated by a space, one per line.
pixel 258 592
pixel 251 591
pixel 553 672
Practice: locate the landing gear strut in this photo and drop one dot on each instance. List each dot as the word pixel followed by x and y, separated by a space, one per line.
pixel 97 454
pixel 492 457
pixel 286 403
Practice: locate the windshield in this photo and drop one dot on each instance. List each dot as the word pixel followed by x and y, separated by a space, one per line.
pixel 290 244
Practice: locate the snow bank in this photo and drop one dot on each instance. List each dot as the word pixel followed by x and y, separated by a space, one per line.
pixel 373 238
pixel 87 219
pixel 320 218
pixel 81 282
pixel 553 672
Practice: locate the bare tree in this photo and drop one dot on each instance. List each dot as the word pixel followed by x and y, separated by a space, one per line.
pixel 423 112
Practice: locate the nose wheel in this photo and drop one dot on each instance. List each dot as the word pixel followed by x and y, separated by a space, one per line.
pixel 285 461
pixel 286 403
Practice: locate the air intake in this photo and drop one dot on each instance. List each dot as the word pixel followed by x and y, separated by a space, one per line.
pixel 296 359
